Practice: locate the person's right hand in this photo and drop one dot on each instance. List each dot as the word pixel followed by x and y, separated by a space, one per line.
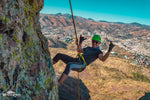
pixel 82 39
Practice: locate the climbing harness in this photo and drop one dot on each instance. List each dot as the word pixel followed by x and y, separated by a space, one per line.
pixel 79 54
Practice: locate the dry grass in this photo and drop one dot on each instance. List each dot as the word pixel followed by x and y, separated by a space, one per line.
pixel 111 80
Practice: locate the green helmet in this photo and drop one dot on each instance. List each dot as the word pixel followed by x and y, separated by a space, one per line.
pixel 97 38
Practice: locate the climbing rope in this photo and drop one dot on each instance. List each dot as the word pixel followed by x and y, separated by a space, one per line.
pixel 78 86
pixel 77 43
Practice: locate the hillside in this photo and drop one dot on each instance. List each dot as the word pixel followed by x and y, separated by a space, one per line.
pixel 115 79
pixel 124 76
pixel 133 37
pixel 65 20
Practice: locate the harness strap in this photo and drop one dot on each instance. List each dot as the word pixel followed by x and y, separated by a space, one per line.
pixel 82 58
pixel 80 55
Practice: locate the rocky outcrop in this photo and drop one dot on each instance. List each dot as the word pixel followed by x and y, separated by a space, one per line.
pixel 25 63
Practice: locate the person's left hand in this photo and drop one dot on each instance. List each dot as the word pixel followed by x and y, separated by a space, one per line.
pixel 111 45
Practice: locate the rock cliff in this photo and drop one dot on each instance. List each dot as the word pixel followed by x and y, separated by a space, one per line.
pixel 25 63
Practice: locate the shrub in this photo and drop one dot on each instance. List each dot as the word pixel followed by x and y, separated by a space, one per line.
pixel 140 77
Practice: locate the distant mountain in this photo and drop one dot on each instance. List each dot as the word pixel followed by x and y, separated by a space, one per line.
pixel 111 22
pixel 141 25
pixel 104 21
pixel 134 37
pixel 114 28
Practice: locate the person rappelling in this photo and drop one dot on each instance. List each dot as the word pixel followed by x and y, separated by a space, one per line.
pixel 89 55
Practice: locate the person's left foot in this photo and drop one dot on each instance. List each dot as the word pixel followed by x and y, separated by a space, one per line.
pixel 62 78
pixel 54 62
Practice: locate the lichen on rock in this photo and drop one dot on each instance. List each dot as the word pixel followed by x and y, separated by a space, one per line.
pixel 25 63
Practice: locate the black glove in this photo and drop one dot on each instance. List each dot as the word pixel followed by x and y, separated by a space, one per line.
pixel 82 39
pixel 111 45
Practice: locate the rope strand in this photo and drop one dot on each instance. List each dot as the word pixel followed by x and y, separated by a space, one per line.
pixel 78 87
pixel 77 43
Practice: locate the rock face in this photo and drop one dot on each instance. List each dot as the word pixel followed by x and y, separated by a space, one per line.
pixel 25 65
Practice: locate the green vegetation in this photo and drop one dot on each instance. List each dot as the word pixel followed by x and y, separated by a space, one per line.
pixel 129 36
pixel 15 38
pixel 4 87
pixel 6 19
pixel 47 82
pixel 140 77
pixel 1 39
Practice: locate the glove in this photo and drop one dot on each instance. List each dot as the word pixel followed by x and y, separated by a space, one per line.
pixel 82 39
pixel 111 45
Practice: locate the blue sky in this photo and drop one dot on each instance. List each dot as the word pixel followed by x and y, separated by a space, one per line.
pixel 127 11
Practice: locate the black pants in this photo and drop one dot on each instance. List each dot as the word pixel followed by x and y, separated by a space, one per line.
pixel 72 63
